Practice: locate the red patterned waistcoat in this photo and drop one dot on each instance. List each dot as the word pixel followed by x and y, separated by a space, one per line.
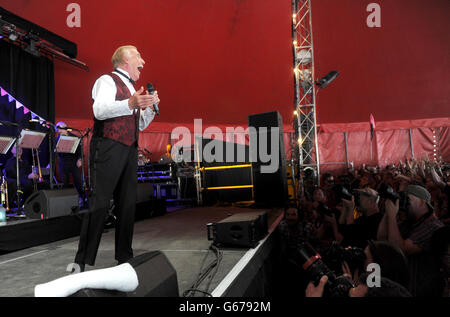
pixel 124 129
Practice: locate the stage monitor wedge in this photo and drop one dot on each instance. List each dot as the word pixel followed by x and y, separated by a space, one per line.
pixel 240 229
pixel 45 204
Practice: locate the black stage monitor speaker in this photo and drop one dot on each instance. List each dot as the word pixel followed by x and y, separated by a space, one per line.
pixel 46 204
pixel 156 276
pixel 241 229
pixel 270 189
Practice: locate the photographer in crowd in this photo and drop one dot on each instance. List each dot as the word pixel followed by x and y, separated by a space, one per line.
pixel 358 231
pixel 395 216
pixel 293 230
pixel 413 237
pixel 388 288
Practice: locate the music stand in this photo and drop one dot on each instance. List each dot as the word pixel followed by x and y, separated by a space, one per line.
pixel 31 139
pixel 67 144
pixel 5 143
pixel 27 140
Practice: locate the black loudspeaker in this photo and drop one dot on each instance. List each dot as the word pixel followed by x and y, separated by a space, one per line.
pixel 270 189
pixel 46 204
pixel 217 182
pixel 156 276
pixel 242 229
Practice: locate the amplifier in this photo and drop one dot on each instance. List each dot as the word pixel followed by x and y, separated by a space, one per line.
pixel 241 229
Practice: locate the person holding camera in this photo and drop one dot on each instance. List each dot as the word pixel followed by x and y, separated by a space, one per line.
pixel 358 231
pixel 388 288
pixel 293 230
pixel 413 237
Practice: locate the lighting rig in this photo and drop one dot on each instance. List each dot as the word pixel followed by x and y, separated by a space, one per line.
pixel 37 40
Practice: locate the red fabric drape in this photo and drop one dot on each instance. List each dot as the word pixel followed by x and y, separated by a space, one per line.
pixel 391 142
pixel 392 146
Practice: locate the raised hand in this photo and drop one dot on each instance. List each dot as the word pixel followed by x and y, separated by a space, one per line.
pixel 141 100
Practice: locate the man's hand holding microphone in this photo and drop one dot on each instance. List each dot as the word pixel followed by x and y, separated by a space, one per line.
pixel 143 100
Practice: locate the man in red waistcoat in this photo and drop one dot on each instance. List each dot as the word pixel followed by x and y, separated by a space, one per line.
pixel 119 113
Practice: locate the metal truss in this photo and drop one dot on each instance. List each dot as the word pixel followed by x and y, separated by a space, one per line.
pixel 305 123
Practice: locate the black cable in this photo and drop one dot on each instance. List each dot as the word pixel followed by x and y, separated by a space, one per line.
pixel 204 272
pixel 199 276
pixel 219 256
pixel 197 290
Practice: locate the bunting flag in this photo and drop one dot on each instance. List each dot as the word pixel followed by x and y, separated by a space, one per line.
pixel 19 105
pixel 372 126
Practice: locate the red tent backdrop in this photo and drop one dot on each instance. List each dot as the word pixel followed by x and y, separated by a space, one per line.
pixel 222 60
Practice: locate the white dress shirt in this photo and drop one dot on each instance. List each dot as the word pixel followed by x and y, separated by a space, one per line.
pixel 105 105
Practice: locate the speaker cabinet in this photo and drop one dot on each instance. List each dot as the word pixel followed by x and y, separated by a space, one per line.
pixel 270 189
pixel 46 204
pixel 156 275
pixel 227 178
pixel 241 229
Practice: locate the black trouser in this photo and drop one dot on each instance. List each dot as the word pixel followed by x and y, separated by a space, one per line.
pixel 113 175
pixel 67 167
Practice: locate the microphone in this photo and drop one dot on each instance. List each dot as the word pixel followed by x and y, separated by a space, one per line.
pixel 7 123
pixel 64 128
pixel 42 123
pixel 151 90
pixel 45 124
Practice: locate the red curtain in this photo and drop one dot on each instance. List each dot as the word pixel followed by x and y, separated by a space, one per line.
pixel 390 144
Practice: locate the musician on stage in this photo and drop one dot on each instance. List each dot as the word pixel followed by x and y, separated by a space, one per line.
pixel 119 113
pixel 27 177
pixel 70 164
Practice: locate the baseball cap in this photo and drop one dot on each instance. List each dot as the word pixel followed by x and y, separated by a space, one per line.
pixel 420 192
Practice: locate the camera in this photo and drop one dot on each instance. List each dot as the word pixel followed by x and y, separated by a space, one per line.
pixel 387 192
pixel 336 254
pixel 323 209
pixel 311 261
pixel 343 193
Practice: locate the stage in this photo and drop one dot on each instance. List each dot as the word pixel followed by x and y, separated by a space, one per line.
pixel 180 234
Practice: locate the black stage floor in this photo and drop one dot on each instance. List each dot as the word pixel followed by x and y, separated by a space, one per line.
pixel 180 234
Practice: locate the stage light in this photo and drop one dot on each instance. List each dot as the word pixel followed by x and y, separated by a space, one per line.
pixel 305 75
pixel 303 57
pixel 295 112
pixel 31 39
pixel 325 81
pixel 13 35
pixel 295 43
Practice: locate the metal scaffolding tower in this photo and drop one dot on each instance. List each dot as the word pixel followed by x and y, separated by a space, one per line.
pixel 305 124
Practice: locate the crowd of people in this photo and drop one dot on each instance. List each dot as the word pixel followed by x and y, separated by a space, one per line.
pixel 396 217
